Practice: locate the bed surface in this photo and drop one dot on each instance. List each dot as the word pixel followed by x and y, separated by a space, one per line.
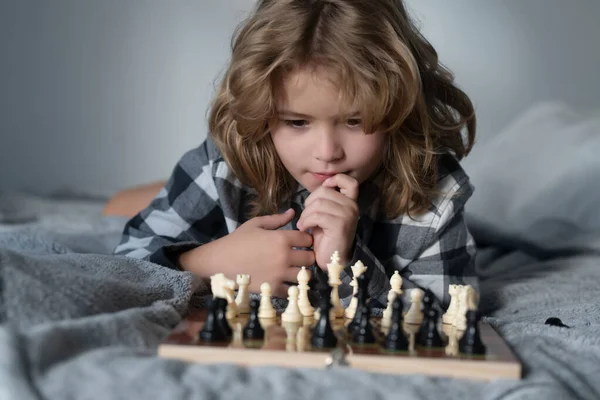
pixel 78 322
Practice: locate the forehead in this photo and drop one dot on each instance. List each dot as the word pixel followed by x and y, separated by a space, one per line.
pixel 314 89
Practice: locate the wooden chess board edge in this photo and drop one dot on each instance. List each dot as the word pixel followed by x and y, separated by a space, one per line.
pixel 447 367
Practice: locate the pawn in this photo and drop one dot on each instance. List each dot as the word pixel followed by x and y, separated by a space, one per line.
pixel 470 342
pixel 292 312
pixel 429 336
pixel 414 314
pixel 395 339
pixel 323 336
pixel 363 332
pixel 303 301
pixel 221 305
pixel 450 315
pixel 211 330
pixel 253 329
pixel 387 313
pixel 266 309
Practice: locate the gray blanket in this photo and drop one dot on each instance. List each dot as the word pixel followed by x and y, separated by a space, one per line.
pixel 78 323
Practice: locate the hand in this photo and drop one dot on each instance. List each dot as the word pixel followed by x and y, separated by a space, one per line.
pixel 258 249
pixel 332 217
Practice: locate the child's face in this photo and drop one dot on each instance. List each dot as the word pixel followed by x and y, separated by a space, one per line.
pixel 316 139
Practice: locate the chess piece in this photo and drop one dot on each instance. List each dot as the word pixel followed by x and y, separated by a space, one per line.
pixel 243 298
pixel 414 314
pixel 396 283
pixel 467 302
pixel 266 309
pixel 395 340
pixel 221 317
pixel 291 332
pixel 292 312
pixel 323 336
pixel 253 329
pixel 361 304
pixel 470 343
pixel 211 330
pixel 224 288
pixel 452 347
pixel 357 270
pixel 450 315
pixel 363 332
pixel 334 269
pixel 303 302
pixel 428 335
pixel 386 320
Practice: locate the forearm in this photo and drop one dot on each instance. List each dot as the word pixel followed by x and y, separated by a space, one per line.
pixel 203 261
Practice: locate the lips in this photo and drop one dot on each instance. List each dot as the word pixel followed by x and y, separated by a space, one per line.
pixel 323 176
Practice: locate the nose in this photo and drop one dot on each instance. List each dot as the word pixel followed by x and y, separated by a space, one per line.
pixel 327 147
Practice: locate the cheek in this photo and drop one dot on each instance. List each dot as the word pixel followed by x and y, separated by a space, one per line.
pixel 370 152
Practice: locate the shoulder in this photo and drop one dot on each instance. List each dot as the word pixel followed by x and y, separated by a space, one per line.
pixel 452 192
pixel 206 159
pixel 454 188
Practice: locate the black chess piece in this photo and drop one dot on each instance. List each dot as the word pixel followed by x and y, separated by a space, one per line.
pixel 363 332
pixel 428 334
pixel 221 315
pixel 322 335
pixel 361 305
pixel 211 330
pixel 470 342
pixel 253 329
pixel 396 339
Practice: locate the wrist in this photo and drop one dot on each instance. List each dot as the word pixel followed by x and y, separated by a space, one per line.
pixel 200 260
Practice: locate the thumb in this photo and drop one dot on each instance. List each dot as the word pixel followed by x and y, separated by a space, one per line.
pixel 275 221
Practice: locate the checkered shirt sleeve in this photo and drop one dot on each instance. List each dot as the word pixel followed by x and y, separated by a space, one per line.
pixel 185 214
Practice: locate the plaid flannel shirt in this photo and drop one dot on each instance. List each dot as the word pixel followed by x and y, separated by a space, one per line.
pixel 203 201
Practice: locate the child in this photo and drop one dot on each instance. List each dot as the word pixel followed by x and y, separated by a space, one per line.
pixel 334 129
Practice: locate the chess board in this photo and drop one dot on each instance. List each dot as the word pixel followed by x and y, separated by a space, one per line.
pixel 289 345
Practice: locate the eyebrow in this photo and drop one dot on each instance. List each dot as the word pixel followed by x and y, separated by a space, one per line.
pixel 291 113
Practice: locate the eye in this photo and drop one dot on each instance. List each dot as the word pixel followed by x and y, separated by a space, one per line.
pixel 354 122
pixel 296 123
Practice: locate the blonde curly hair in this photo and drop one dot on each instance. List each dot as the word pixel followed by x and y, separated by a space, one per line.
pixel 383 64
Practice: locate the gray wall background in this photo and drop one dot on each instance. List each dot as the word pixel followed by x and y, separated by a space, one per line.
pixel 99 95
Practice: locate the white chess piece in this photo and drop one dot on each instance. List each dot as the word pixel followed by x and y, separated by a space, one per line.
pixel 306 308
pixel 450 315
pixel 396 290
pixel 225 288
pixel 291 334
pixel 292 312
pixel 460 321
pixel 334 269
pixel 396 283
pixel 414 314
pixel 266 310
pixel 386 320
pixel 243 298
pixel 452 347
pixel 357 270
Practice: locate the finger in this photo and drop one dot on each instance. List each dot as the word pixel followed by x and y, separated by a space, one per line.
pixel 330 194
pixel 274 221
pixel 298 238
pixel 331 207
pixel 319 219
pixel 300 258
pixel 347 184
